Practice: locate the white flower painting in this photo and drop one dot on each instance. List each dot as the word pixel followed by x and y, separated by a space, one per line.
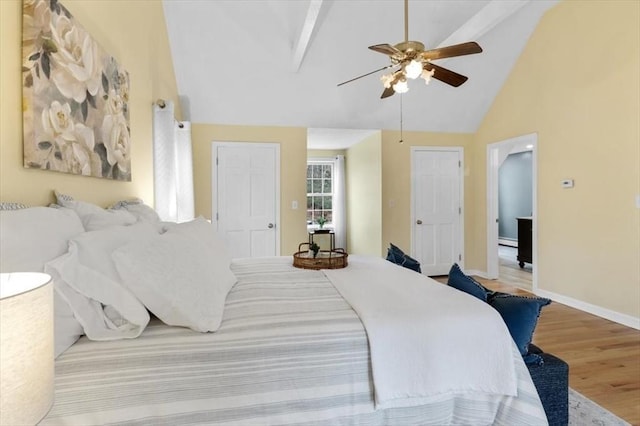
pixel 75 97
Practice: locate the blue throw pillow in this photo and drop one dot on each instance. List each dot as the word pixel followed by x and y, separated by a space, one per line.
pixel 459 280
pixel 397 256
pixel 520 314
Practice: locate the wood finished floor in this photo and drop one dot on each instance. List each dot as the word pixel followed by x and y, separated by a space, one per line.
pixel 603 356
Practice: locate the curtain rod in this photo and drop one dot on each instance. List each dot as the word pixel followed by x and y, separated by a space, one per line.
pixel 161 103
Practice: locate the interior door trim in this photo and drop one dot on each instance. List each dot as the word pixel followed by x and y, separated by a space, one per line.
pixel 460 151
pixel 496 154
pixel 214 181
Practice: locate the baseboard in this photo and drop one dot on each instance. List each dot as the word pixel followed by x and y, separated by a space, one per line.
pixel 477 273
pixel 624 319
pixel 507 242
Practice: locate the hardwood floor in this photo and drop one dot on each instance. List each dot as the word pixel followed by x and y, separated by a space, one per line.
pixel 510 270
pixel 603 356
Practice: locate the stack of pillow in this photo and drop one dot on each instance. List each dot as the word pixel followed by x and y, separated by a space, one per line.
pixel 111 266
pixel 519 313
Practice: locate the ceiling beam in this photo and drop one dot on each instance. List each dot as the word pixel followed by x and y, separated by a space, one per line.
pixel 305 34
pixel 482 22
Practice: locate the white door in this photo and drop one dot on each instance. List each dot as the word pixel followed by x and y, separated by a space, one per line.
pixel 246 197
pixel 437 208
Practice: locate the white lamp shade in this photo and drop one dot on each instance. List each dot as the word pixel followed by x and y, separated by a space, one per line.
pixel 26 347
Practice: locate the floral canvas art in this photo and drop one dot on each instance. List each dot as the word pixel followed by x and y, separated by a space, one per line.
pixel 75 97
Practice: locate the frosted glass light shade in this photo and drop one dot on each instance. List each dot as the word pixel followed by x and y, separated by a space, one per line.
pixel 26 347
pixel 413 69
pixel 401 86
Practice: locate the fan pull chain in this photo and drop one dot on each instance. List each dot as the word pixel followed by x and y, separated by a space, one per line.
pixel 401 139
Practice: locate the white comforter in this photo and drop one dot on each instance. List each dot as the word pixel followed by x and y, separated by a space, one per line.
pixel 426 339
pixel 290 351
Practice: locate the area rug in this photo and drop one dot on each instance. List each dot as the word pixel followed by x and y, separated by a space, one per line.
pixel 583 412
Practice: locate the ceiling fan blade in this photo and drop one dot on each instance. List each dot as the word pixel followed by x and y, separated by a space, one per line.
pixel 387 92
pixel 446 76
pixel 364 75
pixel 462 49
pixel 386 49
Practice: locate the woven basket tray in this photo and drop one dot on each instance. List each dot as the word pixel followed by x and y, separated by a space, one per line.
pixel 326 259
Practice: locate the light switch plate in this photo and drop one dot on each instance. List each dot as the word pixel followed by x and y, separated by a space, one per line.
pixel 294 205
pixel 567 183
pixel 638 201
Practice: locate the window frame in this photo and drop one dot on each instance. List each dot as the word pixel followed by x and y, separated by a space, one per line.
pixel 322 161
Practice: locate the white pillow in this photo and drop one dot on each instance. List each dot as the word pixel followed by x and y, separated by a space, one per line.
pixel 12 206
pixel 139 209
pixel 31 237
pixel 181 279
pixel 201 229
pixel 89 282
pixel 95 217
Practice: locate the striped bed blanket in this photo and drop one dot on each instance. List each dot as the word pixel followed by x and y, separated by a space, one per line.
pixel 290 350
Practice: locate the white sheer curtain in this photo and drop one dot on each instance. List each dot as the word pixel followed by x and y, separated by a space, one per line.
pixel 184 178
pixel 172 165
pixel 339 203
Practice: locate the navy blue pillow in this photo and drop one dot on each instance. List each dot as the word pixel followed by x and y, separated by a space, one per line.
pixel 520 314
pixel 459 280
pixel 397 256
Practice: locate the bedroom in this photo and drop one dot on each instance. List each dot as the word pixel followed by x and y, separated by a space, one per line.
pixel 588 129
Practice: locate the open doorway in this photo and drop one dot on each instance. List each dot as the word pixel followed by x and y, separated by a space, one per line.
pixel 362 208
pixel 504 260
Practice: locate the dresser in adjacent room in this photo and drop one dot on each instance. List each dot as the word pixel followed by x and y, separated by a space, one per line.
pixel 525 233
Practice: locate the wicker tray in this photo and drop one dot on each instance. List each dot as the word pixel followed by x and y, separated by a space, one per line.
pixel 326 259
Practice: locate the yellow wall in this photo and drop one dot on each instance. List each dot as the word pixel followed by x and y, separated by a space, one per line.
pixel 396 182
pixel 134 33
pixel 363 170
pixel 577 84
pixel 293 172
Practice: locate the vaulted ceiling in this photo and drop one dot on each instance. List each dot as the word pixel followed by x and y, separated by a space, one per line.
pixel 278 62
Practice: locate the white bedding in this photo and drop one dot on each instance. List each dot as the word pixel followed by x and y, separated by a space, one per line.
pixel 87 279
pixel 426 339
pixel 290 350
pixel 110 277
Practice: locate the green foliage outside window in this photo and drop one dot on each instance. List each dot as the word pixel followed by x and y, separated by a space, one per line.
pixel 319 192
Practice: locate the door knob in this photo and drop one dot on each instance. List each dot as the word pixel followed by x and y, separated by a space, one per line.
pixel 419 222
pixel 270 226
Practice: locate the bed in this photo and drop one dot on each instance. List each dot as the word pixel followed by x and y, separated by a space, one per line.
pixel 290 346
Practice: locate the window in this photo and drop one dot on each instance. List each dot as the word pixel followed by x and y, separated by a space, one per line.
pixel 319 191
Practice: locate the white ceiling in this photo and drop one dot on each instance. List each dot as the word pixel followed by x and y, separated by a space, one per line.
pixel 236 62
pixel 324 138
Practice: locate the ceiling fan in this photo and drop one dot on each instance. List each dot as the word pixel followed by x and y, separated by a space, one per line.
pixel 414 61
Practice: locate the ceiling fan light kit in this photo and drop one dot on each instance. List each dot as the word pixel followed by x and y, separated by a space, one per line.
pixel 401 86
pixel 414 61
pixel 427 74
pixel 413 69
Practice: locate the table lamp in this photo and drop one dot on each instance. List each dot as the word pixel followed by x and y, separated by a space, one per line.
pixel 26 347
